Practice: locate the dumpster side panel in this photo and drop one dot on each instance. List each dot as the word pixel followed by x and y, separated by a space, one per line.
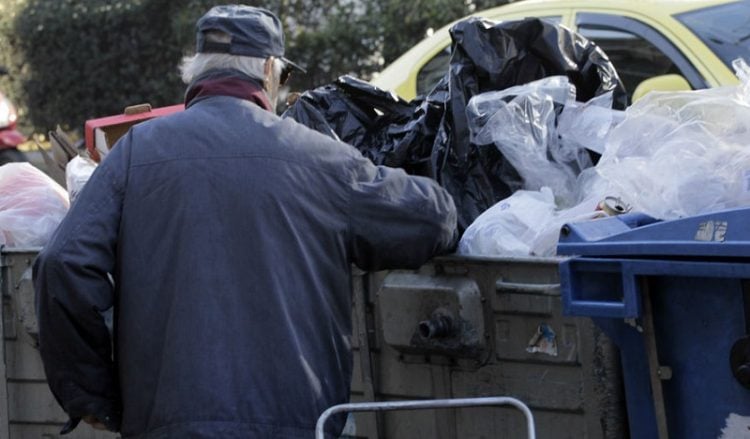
pixel 28 409
pixel 573 385
pixel 564 368
pixel 510 424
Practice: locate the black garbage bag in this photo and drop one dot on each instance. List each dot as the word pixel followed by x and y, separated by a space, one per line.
pixel 354 112
pixel 486 57
pixel 430 136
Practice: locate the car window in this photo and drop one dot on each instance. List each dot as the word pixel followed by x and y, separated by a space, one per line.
pixel 725 29
pixel 634 58
pixel 434 70
pixel 637 51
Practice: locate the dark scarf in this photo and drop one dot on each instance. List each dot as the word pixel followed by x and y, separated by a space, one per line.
pixel 227 82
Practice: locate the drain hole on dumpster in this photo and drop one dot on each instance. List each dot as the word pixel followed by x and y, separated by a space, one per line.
pixel 436 327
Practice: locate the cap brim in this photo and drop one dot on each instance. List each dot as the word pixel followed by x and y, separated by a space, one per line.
pixel 293 65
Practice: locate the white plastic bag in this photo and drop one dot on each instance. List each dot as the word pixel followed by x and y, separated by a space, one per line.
pixel 525 224
pixel 32 205
pixel 679 154
pixel 510 226
pixel 77 173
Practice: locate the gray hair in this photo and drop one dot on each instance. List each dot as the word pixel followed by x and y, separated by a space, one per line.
pixel 196 65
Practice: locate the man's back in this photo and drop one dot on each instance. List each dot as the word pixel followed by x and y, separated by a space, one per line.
pixel 233 236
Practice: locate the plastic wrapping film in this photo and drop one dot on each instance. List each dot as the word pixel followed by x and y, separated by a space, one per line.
pixel 77 173
pixel 670 155
pixel 679 154
pixel 32 205
pixel 523 123
pixel 587 125
pixel 430 136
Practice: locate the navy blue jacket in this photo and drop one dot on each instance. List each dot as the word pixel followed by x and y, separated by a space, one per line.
pixel 229 235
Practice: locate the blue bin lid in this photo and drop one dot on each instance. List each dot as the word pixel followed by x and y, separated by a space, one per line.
pixel 723 234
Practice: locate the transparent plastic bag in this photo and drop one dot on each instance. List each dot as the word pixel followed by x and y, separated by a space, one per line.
pixel 77 173
pixel 32 205
pixel 679 154
pixel 588 125
pixel 543 132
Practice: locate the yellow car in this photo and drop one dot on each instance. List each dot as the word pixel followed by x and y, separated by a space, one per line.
pixel 653 44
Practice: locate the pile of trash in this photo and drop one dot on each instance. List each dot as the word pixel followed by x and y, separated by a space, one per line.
pixel 526 131
pixel 430 136
pixel 32 204
pixel 680 154
pixel 670 155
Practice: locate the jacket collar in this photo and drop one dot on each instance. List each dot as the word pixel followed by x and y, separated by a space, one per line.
pixel 227 82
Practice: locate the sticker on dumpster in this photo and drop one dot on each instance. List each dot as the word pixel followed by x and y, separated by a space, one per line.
pixel 737 427
pixel 712 231
pixel 544 341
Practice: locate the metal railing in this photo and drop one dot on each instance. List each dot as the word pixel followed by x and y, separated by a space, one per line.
pixel 425 404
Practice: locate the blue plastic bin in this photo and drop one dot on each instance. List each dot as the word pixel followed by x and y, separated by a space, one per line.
pixel 675 349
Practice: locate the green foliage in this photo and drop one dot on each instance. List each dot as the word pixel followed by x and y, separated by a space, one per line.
pixel 72 60
pixel 344 42
pixel 11 85
pixel 88 58
pixel 402 24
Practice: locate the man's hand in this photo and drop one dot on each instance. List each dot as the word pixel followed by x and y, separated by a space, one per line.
pixel 94 423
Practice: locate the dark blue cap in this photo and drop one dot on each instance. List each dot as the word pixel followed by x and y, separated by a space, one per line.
pixel 253 31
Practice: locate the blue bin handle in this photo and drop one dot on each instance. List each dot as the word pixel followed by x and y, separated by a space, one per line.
pixel 577 302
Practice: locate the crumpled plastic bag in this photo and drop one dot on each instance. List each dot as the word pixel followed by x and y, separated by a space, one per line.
pixel 354 112
pixel 77 173
pixel 679 154
pixel 670 155
pixel 488 56
pixel 32 205
pixel 510 226
pixel 525 224
pixel 588 125
pixel 524 123
pixel 430 136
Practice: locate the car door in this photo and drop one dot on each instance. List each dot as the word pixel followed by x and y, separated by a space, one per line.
pixel 638 51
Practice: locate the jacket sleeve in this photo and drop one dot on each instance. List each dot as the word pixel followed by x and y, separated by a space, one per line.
pixel 73 289
pixel 398 220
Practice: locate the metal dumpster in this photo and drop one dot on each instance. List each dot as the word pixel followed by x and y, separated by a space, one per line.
pixel 507 337
pixel 674 296
pixel 455 328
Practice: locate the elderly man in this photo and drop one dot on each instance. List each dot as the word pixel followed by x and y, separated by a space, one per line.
pixel 229 234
